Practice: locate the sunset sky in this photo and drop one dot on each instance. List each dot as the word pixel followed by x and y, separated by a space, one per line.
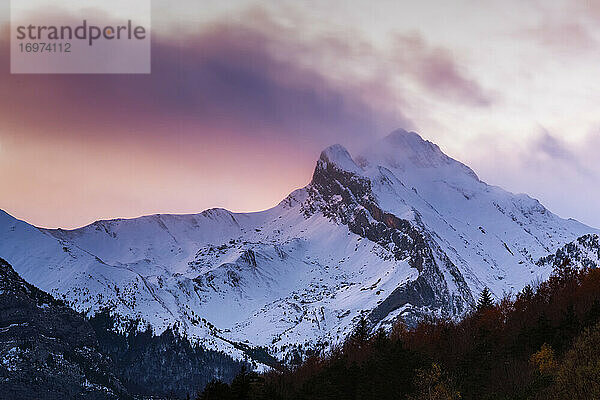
pixel 244 95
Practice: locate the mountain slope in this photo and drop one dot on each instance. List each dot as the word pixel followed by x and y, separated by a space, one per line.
pixel 401 229
pixel 581 253
pixel 47 351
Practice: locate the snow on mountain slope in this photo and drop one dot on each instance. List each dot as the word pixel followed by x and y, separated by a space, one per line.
pixel 402 229
pixel 581 253
pixel 88 284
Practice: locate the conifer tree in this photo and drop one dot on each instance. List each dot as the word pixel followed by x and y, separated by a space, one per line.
pixel 361 334
pixel 527 293
pixel 241 384
pixel 485 301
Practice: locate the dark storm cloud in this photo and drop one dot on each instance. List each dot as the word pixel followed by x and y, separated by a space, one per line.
pixel 254 80
pixel 225 78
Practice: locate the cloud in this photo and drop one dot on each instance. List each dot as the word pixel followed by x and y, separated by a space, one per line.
pixel 438 72
pixel 224 78
pixel 547 147
pixel 562 175
pixel 564 36
pixel 257 79
pixel 550 146
pixel 564 27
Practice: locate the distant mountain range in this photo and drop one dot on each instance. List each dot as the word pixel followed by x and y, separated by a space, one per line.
pixel 401 230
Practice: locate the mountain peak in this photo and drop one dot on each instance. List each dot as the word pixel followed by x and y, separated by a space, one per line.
pixel 403 135
pixel 404 150
pixel 401 151
pixel 337 156
pixel 402 145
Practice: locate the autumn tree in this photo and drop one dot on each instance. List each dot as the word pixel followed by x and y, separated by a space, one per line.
pixel 578 375
pixel 434 384
pixel 544 360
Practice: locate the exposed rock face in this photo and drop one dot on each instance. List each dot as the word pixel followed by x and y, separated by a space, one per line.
pixel 47 350
pixel 347 197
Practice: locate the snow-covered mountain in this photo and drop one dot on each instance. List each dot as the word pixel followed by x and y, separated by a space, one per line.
pixel 400 230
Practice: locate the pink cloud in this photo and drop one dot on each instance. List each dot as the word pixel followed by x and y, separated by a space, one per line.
pixel 435 69
pixel 565 36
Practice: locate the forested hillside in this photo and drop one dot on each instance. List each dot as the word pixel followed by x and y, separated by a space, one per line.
pixel 543 343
